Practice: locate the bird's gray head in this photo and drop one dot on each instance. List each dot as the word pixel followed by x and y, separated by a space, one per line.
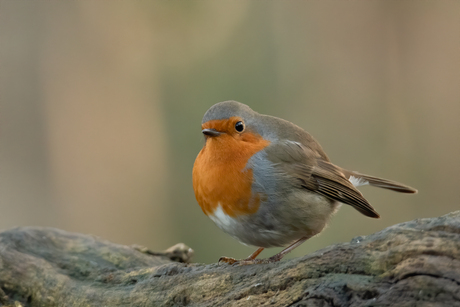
pixel 228 117
pixel 228 109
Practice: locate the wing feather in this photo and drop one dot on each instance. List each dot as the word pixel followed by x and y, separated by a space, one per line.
pixel 318 175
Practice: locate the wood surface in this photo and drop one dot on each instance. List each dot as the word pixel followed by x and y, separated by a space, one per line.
pixel 415 263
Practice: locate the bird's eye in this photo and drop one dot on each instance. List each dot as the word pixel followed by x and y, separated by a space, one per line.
pixel 239 126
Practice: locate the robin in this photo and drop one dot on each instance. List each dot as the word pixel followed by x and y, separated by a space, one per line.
pixel 268 183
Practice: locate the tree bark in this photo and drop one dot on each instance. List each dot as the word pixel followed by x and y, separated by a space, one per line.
pixel 409 264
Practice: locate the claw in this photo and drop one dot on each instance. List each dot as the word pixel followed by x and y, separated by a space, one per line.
pixel 252 258
pixel 227 260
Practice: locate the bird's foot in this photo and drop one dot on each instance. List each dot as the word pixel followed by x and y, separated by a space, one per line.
pixel 227 260
pixel 249 261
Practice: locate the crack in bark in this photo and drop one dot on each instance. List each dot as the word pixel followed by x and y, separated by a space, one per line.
pixel 414 274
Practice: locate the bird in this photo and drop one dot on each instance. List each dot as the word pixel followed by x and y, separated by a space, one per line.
pixel 268 183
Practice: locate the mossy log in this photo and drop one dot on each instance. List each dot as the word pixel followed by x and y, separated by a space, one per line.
pixel 415 263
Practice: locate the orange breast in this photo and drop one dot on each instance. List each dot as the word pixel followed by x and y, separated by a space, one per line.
pixel 219 175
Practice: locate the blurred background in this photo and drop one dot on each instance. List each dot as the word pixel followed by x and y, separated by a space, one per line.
pixel 101 105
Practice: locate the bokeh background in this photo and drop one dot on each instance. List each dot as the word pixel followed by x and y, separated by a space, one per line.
pixel 101 104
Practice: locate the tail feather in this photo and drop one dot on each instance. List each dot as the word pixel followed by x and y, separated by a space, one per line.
pixel 362 179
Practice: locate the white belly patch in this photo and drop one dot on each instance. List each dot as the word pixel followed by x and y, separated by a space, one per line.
pixel 245 230
pixel 222 220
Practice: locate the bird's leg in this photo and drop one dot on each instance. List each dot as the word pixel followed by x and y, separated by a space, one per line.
pixel 251 259
pixel 233 260
pixel 287 250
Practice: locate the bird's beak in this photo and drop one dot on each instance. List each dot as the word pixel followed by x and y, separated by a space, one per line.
pixel 210 132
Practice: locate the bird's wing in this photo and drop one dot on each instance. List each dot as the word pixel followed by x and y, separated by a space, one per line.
pixel 317 175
